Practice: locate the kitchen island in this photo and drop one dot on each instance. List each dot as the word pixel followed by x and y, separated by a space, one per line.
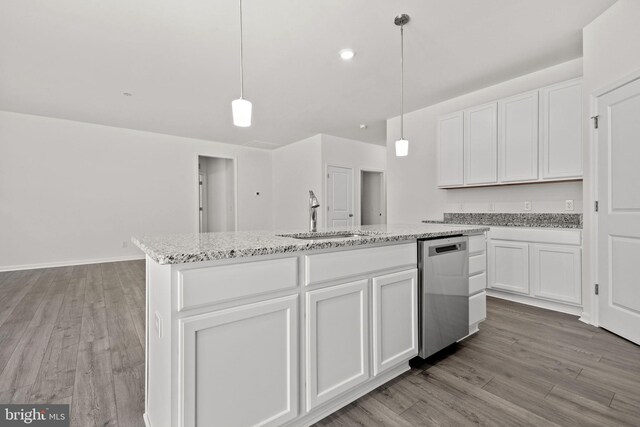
pixel 279 328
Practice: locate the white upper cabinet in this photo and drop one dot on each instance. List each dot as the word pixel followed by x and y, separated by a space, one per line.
pixel 518 137
pixel 561 130
pixel 450 150
pixel 481 145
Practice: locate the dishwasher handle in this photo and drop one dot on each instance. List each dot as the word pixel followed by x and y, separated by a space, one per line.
pixel 447 248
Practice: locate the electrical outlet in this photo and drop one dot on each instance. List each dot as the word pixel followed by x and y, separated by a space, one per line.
pixel 461 207
pixel 568 205
pixel 492 207
pixel 125 244
pixel 527 205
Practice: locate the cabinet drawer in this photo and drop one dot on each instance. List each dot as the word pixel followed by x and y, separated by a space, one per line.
pixel 477 264
pixel 359 262
pixel 477 244
pixel 477 308
pixel 201 286
pixel 477 283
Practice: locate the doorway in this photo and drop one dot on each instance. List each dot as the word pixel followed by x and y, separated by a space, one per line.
pixel 217 210
pixel 339 196
pixel 372 198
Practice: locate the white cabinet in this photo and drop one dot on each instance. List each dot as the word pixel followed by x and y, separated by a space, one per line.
pixel 477 281
pixel 337 333
pixel 481 144
pixel 216 349
pixel 451 150
pixel 518 137
pixel 509 266
pixel 561 130
pixel 557 273
pixel 395 319
pixel 537 266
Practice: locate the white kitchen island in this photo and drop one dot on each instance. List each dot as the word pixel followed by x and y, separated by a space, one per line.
pixel 251 328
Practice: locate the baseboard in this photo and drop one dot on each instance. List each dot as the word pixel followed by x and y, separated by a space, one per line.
pixel 585 318
pixel 548 305
pixel 69 263
pixel 146 420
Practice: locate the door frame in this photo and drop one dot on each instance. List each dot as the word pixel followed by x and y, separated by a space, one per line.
pixel 325 193
pixel 234 161
pixel 594 229
pixel 383 188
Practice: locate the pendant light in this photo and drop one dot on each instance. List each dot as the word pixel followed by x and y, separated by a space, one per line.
pixel 241 108
pixel 402 145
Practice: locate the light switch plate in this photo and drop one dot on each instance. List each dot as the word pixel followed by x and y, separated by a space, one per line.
pixel 568 205
pixel 527 205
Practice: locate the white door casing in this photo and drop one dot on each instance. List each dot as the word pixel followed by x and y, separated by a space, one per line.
pixel 395 319
pixel 618 217
pixel 518 137
pixel 339 196
pixel 217 347
pixel 337 334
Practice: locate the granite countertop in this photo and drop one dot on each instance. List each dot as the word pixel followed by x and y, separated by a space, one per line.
pixel 541 220
pixel 183 248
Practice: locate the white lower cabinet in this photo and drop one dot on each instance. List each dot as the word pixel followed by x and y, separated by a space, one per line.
pixel 538 264
pixel 395 319
pixel 509 266
pixel 477 308
pixel 218 350
pixel 337 332
pixel 557 273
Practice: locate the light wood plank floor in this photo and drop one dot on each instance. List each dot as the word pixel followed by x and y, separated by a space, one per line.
pixel 75 335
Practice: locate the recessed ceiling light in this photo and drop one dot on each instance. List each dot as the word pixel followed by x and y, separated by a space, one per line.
pixel 347 54
pixel 127 93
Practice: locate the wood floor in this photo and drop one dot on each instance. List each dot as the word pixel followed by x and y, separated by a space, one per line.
pixel 75 335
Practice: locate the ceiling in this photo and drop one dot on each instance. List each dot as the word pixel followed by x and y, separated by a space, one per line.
pixel 74 59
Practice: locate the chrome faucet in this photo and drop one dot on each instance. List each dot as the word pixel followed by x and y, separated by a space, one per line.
pixel 313 216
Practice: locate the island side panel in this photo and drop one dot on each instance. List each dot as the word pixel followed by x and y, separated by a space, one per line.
pixel 158 407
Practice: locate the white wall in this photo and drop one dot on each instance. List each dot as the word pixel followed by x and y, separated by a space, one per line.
pixel 297 169
pixel 350 154
pixel 302 166
pixel 73 192
pixel 611 52
pixel 412 188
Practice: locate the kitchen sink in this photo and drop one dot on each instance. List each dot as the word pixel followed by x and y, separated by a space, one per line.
pixel 329 235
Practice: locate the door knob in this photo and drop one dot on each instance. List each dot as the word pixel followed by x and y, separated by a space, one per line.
pixel 350 215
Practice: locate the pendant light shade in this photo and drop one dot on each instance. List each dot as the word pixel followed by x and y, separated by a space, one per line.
pixel 402 145
pixel 241 108
pixel 402 148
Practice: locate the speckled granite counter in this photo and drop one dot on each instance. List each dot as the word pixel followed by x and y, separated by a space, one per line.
pixel 182 248
pixel 542 220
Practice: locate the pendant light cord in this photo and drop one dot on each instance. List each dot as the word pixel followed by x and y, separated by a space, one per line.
pixel 402 82
pixel 241 56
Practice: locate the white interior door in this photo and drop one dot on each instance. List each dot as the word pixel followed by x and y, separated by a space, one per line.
pixel 619 211
pixel 339 196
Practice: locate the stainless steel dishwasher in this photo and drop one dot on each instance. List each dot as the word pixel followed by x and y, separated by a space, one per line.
pixel 444 293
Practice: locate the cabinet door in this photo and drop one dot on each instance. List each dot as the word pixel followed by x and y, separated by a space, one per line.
pixel 509 266
pixel 557 273
pixel 481 145
pixel 518 137
pixel 337 340
pixel 561 130
pixel 395 319
pixel 451 150
pixel 218 349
